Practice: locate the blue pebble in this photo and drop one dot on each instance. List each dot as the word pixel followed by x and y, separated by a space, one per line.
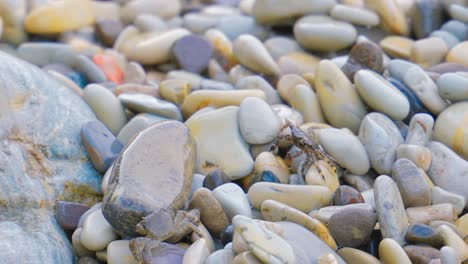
pixel 268 176
pixel 78 78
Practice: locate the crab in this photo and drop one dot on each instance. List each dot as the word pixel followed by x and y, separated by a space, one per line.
pixel 170 225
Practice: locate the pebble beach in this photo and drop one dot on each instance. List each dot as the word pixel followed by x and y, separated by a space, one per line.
pixel 234 131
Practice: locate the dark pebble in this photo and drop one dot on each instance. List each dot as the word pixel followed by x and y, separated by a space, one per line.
pixel 423 234
pixel 226 235
pixel 364 55
pixel 214 179
pixel 192 53
pixel 68 214
pixel 347 195
pixel 421 254
pixel 108 30
pixel 426 17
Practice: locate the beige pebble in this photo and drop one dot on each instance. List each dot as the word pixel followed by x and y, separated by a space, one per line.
pixel 196 253
pixel 118 252
pixel 419 155
pixel 355 256
pixel 251 53
pixel 428 52
pixel 245 258
pixel 391 252
pixel 97 233
pixel 174 90
pixel 355 15
pixel 451 239
pixel 426 214
pixel 266 161
pixel 397 46
pixel 392 17
pixel 459 54
pixel 305 100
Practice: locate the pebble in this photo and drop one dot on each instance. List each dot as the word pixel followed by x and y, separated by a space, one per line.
pixel 68 214
pixel 340 102
pixel 398 68
pixel 448 255
pixel 233 200
pixel 453 87
pixel 42 54
pixel 355 256
pixel 390 252
pixel 397 46
pixel 131 88
pixel 359 182
pixel 234 26
pixel 352 227
pixel 427 17
pixel 192 53
pixel 78 247
pixel 118 252
pixel 457 28
pixel 449 128
pixel 106 106
pixel 355 15
pixel 259 83
pixel 449 39
pixel 380 95
pixel 457 54
pixel 142 103
pixel 251 53
pixel 414 190
pixel 452 240
pixel 421 254
pixel 159 8
pixel 279 46
pixel 97 233
pixel 462 224
pixel 363 55
pixel 426 90
pixel 199 99
pixel 441 196
pixel 137 124
pixel 301 197
pixel 174 91
pixel 419 155
pixel 212 213
pixel 426 214
pixel 391 16
pixel 198 252
pixel 322 33
pixel 300 63
pixel 268 162
pixel 380 138
pixel 59 17
pixel 423 234
pixel 102 147
pixel 223 146
pixel 459 12
pixel 220 256
pixel 264 244
pixel 448 170
pixel 272 12
pixel 390 209
pixel 157 252
pixel 420 130
pixel 257 121
pixel 345 195
pixel 428 52
pixel 303 99
pixel 109 67
pixel 214 179
pixel 108 30
pixel 160 181
pixel 246 258
pixel 92 72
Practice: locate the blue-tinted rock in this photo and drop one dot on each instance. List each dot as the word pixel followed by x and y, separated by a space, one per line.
pixel 41 160
pixel 457 28
pixel 68 214
pixel 78 78
pixel 416 106
pixel 100 144
pixel 426 17
pixel 268 176
pixel 192 53
pixel 214 179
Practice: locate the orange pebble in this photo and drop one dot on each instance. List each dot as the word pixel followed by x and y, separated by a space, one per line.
pixel 110 67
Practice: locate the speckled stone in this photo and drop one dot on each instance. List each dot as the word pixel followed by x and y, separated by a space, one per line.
pixel 363 55
pixel 390 209
pixel 352 227
pixel 192 53
pixel 346 195
pixel 102 147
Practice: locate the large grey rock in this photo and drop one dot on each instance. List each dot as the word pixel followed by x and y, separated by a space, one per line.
pixel 41 160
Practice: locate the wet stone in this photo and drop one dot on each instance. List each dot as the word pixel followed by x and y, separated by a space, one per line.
pixel 346 195
pixel 192 53
pixel 100 144
pixel 68 214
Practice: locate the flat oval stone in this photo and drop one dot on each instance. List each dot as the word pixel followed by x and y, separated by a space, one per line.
pixel 102 147
pixel 449 39
pixel 450 128
pixel 448 170
pixel 458 54
pixel 355 15
pixel 392 253
pixel 211 128
pixel 339 100
pixel 136 88
pixel 258 83
pixel 192 53
pixel 426 214
pixel 142 182
pixel 236 25
pixel 380 138
pixel 414 190
pixel 380 95
pixel 212 213
pixel 390 209
pixel 118 252
pixel 423 234
pixel 363 55
pixel 221 256
pixel 142 103
pixel 325 213
pixel 301 197
pixel 251 53
pixel 391 16
pixel 42 54
pixel 321 33
pixel 274 12
pixel 233 200
pixel 264 244
pixel 68 214
pixel 398 68
pixel 355 256
pixel 426 90
pixel 352 227
pixel 346 148
pixel 159 8
pixel 453 87
pixel 86 66
pixel 421 254
pixel 457 28
pixel 59 17
pixel 97 233
pixel 428 52
pixel 199 99
pixel 397 46
pixel 448 255
pixel 106 106
pixel 426 17
pixel 305 101
pixel 441 196
pixel 257 121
